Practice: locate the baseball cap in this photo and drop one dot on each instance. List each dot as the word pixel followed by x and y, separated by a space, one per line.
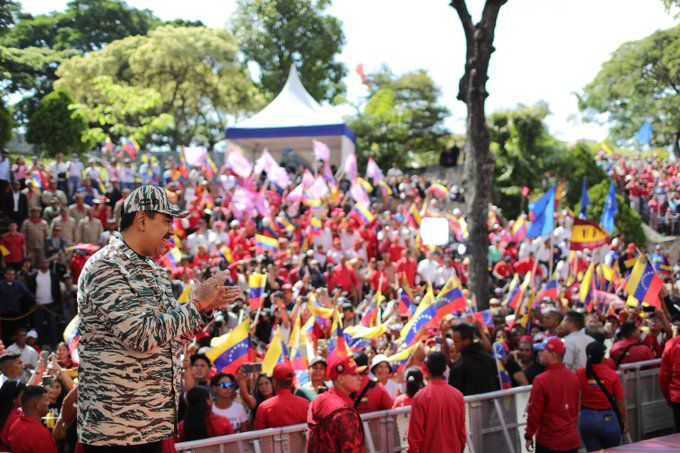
pixel 378 359
pixel 151 198
pixel 317 359
pixel 341 366
pixel 284 372
pixel 552 344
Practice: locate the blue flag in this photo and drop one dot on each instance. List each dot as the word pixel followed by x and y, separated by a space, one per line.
pixel 645 133
pixel 543 214
pixel 610 210
pixel 585 201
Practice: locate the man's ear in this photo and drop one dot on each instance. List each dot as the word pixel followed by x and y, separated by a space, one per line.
pixel 140 220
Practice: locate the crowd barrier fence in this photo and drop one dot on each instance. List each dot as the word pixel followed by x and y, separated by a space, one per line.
pixel 495 421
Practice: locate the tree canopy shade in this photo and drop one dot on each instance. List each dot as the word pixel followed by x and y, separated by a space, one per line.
pixel 5 124
pixel 641 82
pixel 402 121
pixel 176 85
pixel 277 33
pixel 54 127
pixel 8 9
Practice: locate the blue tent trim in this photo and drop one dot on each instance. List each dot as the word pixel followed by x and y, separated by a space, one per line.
pixel 234 133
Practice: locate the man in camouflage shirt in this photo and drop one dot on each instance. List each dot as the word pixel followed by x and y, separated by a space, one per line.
pixel 132 331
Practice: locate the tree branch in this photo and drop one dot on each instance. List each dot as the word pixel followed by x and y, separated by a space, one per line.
pixel 469 31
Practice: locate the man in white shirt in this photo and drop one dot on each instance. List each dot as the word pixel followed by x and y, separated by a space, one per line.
pixel 202 236
pixel 576 340
pixel 75 175
pixel 11 366
pixel 46 288
pixel 58 169
pixel 5 176
pixel 427 269
pixel 29 356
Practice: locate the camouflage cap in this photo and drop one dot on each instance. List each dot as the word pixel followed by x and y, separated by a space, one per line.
pixel 151 198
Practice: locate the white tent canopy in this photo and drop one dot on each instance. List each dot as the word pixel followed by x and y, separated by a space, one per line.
pixel 292 120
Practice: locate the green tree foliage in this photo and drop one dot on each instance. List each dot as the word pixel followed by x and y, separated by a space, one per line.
pixel 34 46
pixel 526 154
pixel 640 83
pixel 402 121
pixel 5 124
pixel 55 127
pixel 8 9
pixel 278 33
pixel 626 221
pixel 178 84
pixel 574 164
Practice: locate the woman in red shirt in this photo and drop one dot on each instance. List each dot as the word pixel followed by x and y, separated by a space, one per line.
pixel 200 422
pixel 10 401
pixel 414 382
pixel 599 424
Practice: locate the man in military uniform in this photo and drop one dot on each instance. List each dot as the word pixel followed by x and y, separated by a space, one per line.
pixel 334 424
pixel 132 331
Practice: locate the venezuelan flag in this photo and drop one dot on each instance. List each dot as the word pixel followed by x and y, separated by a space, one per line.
pixel 450 299
pixel 256 283
pixel 387 190
pixel 315 226
pixel 285 222
pixel 407 306
pixel 643 284
pixel 232 349
pixel 277 352
pixel 336 344
pixel 72 337
pixel 175 257
pixel 131 147
pixel 300 353
pixel 225 253
pixel 484 317
pixel 398 360
pixel 424 314
pixel 587 290
pixel 514 293
pixel 519 229
pixel 358 337
pixel 365 184
pixel 362 214
pixel 413 216
pixel 266 243
pixel 550 290
pixel 500 350
pixel 321 312
pixel 370 317
pixel 438 190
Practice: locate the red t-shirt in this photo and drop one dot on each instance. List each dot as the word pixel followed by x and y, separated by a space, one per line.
pixel 378 278
pixel 409 268
pixel 343 275
pixel 637 353
pixel 284 409
pixel 376 399
pixel 14 244
pixel 504 269
pixel 28 435
pixel 216 425
pixel 13 416
pixel 592 396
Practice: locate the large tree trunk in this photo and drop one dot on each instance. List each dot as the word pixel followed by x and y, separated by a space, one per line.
pixel 479 163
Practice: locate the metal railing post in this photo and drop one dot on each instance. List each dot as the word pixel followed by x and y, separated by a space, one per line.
pixel 369 437
pixel 504 426
pixel 475 432
pixel 638 404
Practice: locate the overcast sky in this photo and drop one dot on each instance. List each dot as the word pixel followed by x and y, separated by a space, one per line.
pixel 545 49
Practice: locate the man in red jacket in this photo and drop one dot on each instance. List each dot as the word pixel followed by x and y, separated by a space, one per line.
pixel 27 434
pixel 553 403
pixel 284 409
pixel 334 424
pixel 669 377
pixel 437 421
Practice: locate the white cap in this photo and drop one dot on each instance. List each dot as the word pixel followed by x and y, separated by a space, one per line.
pixel 378 359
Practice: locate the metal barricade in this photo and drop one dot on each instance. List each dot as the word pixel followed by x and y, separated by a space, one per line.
pixel 647 410
pixel 494 421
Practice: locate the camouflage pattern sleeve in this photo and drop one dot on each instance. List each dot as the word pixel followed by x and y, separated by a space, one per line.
pixel 125 309
pixel 347 432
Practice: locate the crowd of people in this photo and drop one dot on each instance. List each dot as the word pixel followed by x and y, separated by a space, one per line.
pixel 360 308
pixel 651 185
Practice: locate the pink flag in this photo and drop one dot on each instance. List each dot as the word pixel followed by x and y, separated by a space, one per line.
pixel 359 194
pixel 350 166
pixel 194 154
pixel 239 164
pixel 261 204
pixel 373 171
pixel 295 195
pixel 265 162
pixel 319 189
pixel 321 151
pixel 328 175
pixel 307 179
pixel 279 176
pixel 241 202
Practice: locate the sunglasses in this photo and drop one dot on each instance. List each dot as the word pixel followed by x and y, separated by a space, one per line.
pixel 227 385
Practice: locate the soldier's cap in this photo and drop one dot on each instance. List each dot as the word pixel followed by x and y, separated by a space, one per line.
pixel 151 198
pixel 284 372
pixel 8 356
pixel 342 366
